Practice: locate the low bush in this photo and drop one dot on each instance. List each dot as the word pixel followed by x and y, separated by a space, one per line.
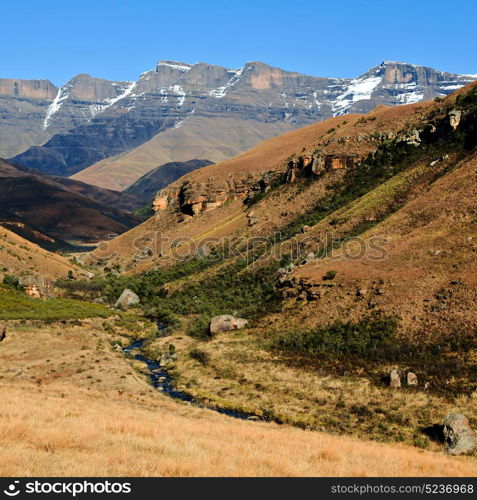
pixel 200 356
pixel 17 305
pixel 370 338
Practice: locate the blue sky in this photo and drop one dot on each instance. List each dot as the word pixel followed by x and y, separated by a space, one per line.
pixel 120 39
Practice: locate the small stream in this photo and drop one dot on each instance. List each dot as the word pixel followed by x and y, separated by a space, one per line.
pixel 162 381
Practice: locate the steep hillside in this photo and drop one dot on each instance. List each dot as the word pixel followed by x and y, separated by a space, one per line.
pixel 107 197
pixel 20 257
pixel 254 173
pixel 66 210
pixel 23 107
pixel 203 137
pixel 34 110
pixel 349 245
pixel 178 103
pixel 146 187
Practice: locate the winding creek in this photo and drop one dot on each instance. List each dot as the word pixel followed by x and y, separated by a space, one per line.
pixel 162 381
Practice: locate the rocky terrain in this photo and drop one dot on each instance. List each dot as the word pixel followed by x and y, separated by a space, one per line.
pixel 322 280
pixel 112 133
pixel 349 247
pixel 32 111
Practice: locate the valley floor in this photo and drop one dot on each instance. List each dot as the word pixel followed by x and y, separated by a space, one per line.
pixel 72 405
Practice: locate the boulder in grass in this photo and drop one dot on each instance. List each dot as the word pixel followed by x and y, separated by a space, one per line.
pixel 394 379
pixel 226 323
pixel 411 379
pixel 459 436
pixel 127 299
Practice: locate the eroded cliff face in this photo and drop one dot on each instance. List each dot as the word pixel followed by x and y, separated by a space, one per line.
pixel 29 89
pixel 193 198
pixel 330 153
pixel 92 120
pixel 35 110
pixel 23 104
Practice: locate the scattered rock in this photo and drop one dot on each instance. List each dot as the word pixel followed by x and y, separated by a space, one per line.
pixel 361 292
pixel 313 295
pixel 411 379
pixel 167 358
pixel 454 118
pixel 394 379
pixel 459 436
pixel 226 323
pixel 185 218
pixel 128 298
pixel 20 374
pixel 306 229
pixel 253 220
pixel 33 291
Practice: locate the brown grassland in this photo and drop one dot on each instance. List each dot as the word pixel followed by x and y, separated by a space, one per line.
pixel 77 407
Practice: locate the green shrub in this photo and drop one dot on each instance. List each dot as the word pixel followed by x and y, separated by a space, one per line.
pixel 199 328
pixel 17 305
pixel 330 275
pixel 200 356
pixel 12 282
pixel 370 338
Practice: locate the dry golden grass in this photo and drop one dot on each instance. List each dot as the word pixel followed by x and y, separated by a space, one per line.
pixel 82 434
pixel 56 421
pixel 243 376
pixel 21 257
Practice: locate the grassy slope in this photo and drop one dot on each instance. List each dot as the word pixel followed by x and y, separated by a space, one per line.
pixel 425 209
pixel 17 305
pixel 86 411
pixel 208 138
pixel 21 257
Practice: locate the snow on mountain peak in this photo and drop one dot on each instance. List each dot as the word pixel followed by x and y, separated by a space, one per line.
pixel 175 65
pixel 358 89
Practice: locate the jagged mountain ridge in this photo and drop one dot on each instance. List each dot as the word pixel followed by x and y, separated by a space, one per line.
pixel 176 99
pixel 32 111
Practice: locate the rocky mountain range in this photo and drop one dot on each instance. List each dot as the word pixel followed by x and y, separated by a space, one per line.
pixel 111 133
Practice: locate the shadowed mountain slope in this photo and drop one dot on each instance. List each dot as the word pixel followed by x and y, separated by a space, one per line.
pixel 130 128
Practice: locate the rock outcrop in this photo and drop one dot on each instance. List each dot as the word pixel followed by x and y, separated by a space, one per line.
pixel 194 198
pixel 455 117
pixel 394 379
pixel 460 438
pixel 226 323
pixel 127 299
pixel 411 379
